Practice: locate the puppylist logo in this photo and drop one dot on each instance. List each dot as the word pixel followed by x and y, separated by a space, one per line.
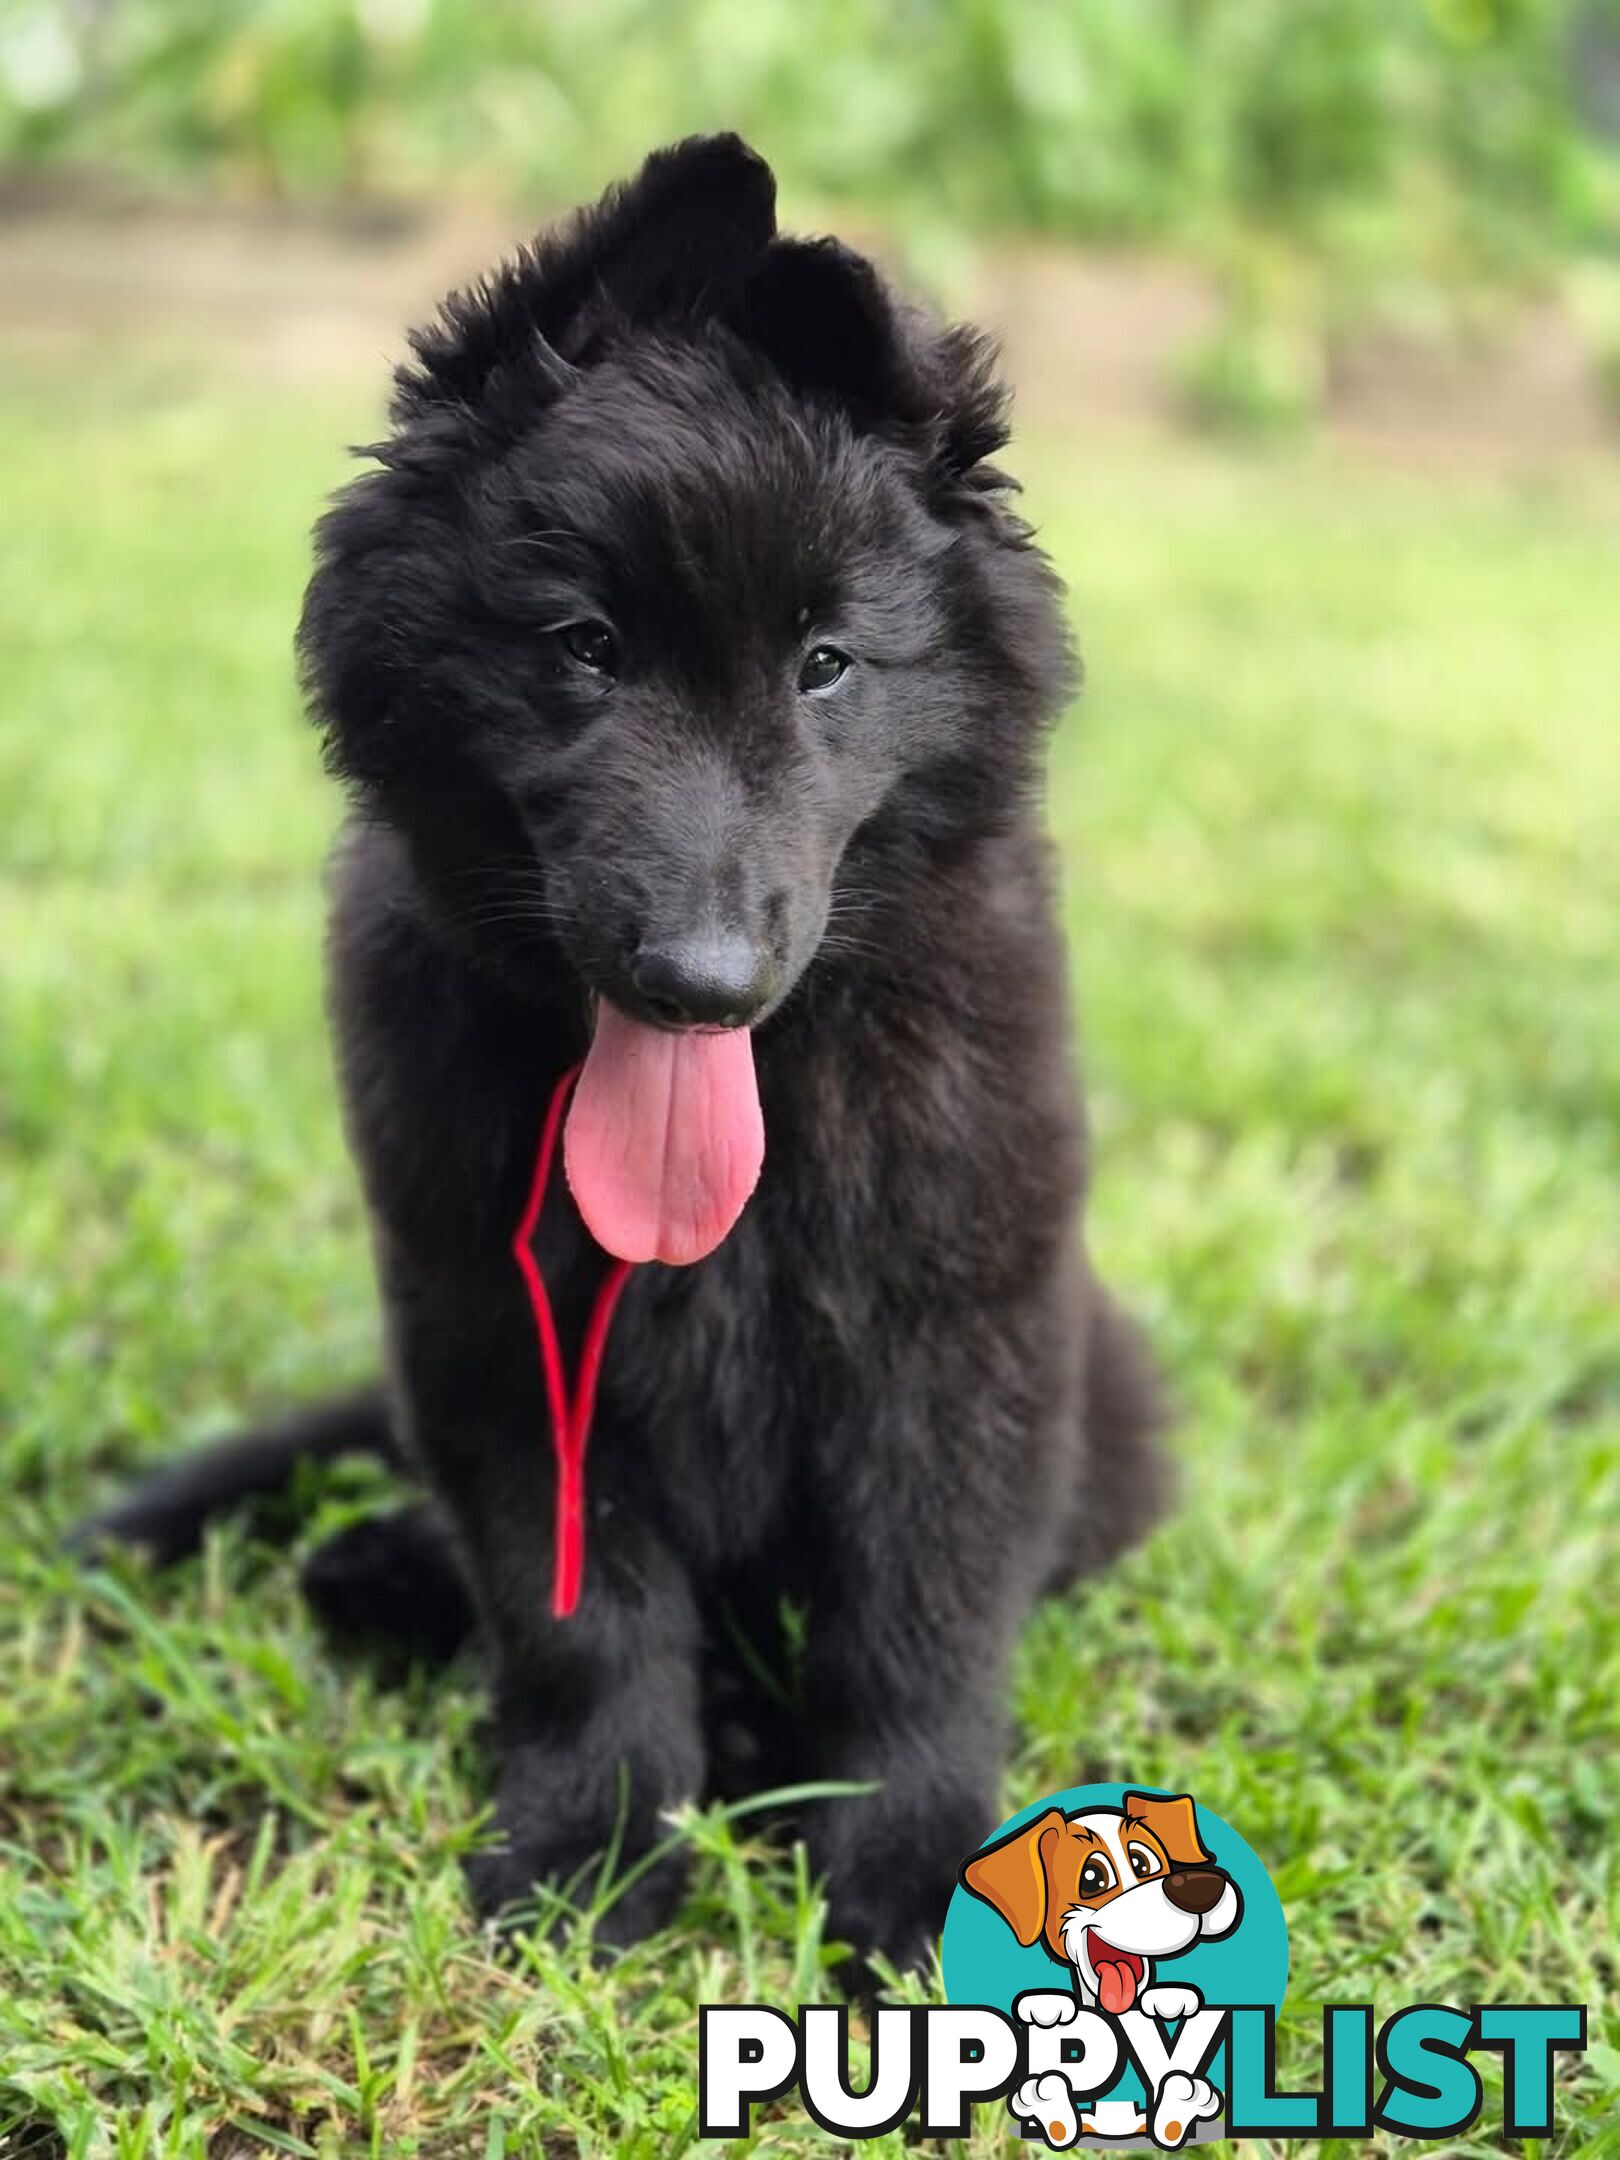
pixel 1114 1960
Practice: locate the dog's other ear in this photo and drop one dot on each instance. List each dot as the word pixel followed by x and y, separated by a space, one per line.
pixel 820 314
pixel 1174 1822
pixel 1011 1875
pixel 828 324
pixel 973 405
pixel 674 242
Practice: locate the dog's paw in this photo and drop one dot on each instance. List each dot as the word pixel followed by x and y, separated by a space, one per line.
pixel 880 1934
pixel 557 1883
pixel 1046 2007
pixel 1047 2104
pixel 889 1859
pixel 1179 2105
pixel 391 1580
pixel 1170 2001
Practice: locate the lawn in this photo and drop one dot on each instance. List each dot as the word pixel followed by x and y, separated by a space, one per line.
pixel 1339 814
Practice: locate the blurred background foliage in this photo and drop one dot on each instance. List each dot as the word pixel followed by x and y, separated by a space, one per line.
pixel 1333 164
pixel 1451 139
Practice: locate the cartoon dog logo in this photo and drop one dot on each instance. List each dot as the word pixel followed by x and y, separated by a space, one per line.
pixel 1110 1893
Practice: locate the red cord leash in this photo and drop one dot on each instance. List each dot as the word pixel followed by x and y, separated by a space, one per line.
pixel 570 1416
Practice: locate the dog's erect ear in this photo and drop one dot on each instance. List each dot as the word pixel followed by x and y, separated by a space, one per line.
pixel 674 243
pixel 1174 1822
pixel 680 237
pixel 1011 1875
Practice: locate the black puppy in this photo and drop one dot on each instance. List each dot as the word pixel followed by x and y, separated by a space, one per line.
pixel 690 674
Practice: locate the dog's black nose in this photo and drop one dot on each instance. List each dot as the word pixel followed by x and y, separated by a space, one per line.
pixel 711 979
pixel 1195 1890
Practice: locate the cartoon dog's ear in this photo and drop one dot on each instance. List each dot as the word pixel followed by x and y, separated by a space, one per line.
pixel 1174 1822
pixel 676 241
pixel 1011 1875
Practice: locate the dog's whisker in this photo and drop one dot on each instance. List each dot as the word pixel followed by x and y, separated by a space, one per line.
pixel 549 540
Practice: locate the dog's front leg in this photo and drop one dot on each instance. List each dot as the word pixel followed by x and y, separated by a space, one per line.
pixel 911 1626
pixel 597 1716
pixel 922 1724
pixel 597 1719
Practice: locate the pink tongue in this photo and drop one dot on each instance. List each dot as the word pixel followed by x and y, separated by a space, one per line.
pixel 1116 1988
pixel 664 1139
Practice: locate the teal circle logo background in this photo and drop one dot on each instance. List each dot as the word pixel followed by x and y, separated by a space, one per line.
pixel 983 1961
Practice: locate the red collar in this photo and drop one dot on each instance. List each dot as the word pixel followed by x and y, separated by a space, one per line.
pixel 570 1414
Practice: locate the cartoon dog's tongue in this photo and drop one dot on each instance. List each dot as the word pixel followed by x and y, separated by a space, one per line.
pixel 1116 1980
pixel 664 1139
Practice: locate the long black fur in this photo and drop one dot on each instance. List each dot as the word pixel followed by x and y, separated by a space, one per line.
pixel 895 1403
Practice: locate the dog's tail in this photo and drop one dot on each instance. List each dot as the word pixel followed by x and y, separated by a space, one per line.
pixel 1126 1480
pixel 167 1512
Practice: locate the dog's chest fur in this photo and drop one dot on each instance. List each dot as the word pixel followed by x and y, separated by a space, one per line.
pixel 903 1216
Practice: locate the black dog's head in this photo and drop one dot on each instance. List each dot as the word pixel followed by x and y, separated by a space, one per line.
pixel 682 599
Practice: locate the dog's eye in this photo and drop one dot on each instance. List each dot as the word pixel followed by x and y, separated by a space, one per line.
pixel 592 644
pixel 823 667
pixel 1143 1862
pixel 1096 1877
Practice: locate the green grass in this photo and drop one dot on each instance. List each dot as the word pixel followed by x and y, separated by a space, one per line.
pixel 1340 815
